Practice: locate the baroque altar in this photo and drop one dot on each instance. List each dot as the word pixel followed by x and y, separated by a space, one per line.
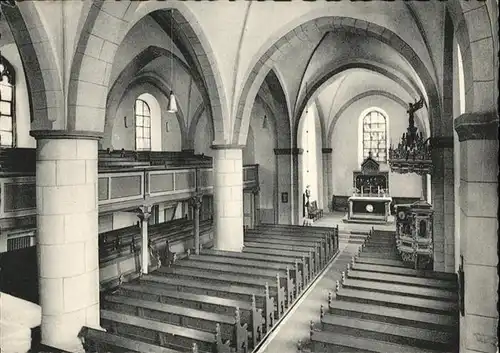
pixel 370 201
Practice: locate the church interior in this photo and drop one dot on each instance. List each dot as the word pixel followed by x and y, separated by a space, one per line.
pixel 248 176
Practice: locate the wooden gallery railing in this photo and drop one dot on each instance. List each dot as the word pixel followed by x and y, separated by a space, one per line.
pixel 127 180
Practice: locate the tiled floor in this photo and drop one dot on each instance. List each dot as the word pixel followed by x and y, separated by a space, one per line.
pixel 295 326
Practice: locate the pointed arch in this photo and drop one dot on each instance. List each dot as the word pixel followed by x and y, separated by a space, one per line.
pixel 109 22
pixel 39 63
pixel 322 25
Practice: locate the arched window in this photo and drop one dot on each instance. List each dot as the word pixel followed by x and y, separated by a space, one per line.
pixel 7 95
pixel 142 126
pixel 375 136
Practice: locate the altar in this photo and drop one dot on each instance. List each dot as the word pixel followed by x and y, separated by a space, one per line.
pixel 369 208
pixel 370 201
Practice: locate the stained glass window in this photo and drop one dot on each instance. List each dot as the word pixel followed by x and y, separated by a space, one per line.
pixel 375 136
pixel 142 126
pixel 7 93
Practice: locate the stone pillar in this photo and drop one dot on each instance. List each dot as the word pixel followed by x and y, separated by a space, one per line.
pixel 196 201
pixel 68 256
pixel 297 202
pixel 479 229
pixel 144 214
pixel 327 178
pixel 228 197
pixel 443 204
pixel 284 181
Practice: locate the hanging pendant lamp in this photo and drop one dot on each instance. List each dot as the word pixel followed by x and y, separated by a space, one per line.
pixel 172 103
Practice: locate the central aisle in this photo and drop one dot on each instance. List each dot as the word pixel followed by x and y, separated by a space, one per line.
pixel 295 326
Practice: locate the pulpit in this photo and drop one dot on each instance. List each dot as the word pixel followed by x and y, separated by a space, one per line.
pixel 370 201
pixel 414 239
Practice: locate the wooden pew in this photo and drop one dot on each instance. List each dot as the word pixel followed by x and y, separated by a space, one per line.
pixel 265 260
pixel 272 240
pixel 120 242
pixel 104 342
pixel 316 253
pixel 332 232
pixel 309 233
pixel 230 279
pixel 309 256
pixel 248 311
pixel 262 296
pixel 166 335
pixel 284 237
pixel 284 275
pixel 230 326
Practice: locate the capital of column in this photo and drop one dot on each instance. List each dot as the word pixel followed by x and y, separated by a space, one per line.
pixel 477 126
pixel 196 201
pixel 144 212
pixel 66 134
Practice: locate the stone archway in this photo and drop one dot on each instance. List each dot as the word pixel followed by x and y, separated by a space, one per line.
pixel 325 76
pixel 109 22
pixel 474 34
pixel 161 89
pixel 39 64
pixel 323 25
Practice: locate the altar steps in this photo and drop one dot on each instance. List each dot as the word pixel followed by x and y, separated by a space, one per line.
pixel 381 305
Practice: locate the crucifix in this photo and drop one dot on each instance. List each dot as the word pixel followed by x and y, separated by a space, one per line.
pixel 413 107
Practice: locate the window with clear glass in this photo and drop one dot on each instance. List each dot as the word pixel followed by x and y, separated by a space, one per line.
pixel 375 136
pixel 7 92
pixel 142 126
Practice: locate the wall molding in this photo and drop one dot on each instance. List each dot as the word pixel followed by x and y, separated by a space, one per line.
pixel 477 126
pixel 66 134
pixel 231 146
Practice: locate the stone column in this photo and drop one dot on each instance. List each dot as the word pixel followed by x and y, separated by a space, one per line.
pixel 443 204
pixel 67 224
pixel 144 214
pixel 196 201
pixel 297 202
pixel 228 197
pixel 479 229
pixel 327 178
pixel 284 182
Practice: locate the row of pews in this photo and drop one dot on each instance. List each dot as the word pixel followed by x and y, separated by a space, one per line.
pixel 380 305
pixel 120 242
pixel 216 301
pixel 120 249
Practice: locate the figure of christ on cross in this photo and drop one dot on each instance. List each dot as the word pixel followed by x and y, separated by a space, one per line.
pixel 413 107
